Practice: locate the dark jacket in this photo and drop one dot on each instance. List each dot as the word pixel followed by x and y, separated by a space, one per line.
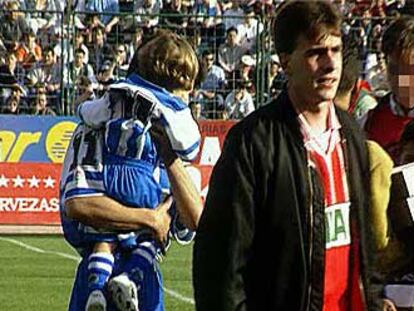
pixel 255 247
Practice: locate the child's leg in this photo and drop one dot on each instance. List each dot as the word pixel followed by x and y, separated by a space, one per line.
pixel 100 265
pixel 142 268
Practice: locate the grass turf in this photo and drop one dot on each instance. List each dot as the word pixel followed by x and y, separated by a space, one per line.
pixel 36 275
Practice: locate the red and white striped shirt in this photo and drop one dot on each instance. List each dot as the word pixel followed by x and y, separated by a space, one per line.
pixel 326 155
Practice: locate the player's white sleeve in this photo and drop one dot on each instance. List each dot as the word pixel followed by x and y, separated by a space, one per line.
pixel 182 131
pixel 95 113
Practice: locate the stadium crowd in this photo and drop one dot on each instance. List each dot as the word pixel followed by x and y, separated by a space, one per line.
pixel 53 57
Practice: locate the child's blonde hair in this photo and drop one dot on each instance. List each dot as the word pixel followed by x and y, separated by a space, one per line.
pixel 167 60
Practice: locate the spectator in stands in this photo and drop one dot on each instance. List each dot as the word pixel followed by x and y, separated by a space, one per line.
pixel 105 77
pixel 147 13
pixel 80 44
pixel 108 20
pixel 377 77
pixel 230 53
pixel 386 122
pixel 49 74
pixel 8 77
pixel 209 94
pixel 100 50
pixel 93 22
pixel 247 70
pixel 194 38
pixel 229 18
pixel 41 107
pixel 14 103
pixel 196 110
pixel 135 42
pixel 362 31
pixel 249 29
pixel 84 91
pixel 78 68
pixel 120 62
pixel 12 25
pixel 44 21
pixel 239 103
pixel 29 52
pixel 264 9
pixel 276 78
pixel 208 17
pixel 353 93
pixel 174 18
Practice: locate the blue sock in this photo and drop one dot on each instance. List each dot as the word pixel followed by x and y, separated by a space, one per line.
pixel 142 259
pixel 142 268
pixel 100 266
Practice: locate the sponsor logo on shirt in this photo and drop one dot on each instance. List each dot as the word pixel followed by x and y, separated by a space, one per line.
pixel 337 227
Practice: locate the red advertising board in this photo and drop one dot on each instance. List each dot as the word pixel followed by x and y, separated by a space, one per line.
pixel 29 193
pixel 29 189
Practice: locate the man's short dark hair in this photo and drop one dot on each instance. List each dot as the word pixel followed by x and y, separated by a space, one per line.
pixel 80 51
pixel 308 18
pixel 207 52
pixel 232 28
pixel 399 36
pixel 48 49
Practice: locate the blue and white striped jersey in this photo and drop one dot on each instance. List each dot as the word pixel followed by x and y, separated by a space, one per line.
pixel 83 176
pixel 127 136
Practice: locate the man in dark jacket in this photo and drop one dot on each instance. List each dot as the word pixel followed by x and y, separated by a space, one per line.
pixel 285 226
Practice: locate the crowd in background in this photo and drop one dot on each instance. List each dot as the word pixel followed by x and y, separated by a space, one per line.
pixel 52 57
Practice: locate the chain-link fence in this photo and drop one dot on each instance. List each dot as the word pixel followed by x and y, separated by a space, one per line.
pixel 64 59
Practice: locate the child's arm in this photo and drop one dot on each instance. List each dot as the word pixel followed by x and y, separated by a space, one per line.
pixel 186 195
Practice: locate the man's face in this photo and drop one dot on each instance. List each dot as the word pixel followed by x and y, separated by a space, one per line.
pixel 41 101
pixel 49 58
pixel 79 39
pixel 14 103
pixel 208 60
pixel 400 71
pixel 99 37
pixel 314 69
pixel 79 57
pixel 248 18
pixel 121 51
pixel 232 38
pixel 14 15
pixel 274 68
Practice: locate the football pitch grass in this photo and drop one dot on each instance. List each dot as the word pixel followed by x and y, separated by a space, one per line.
pixel 36 274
